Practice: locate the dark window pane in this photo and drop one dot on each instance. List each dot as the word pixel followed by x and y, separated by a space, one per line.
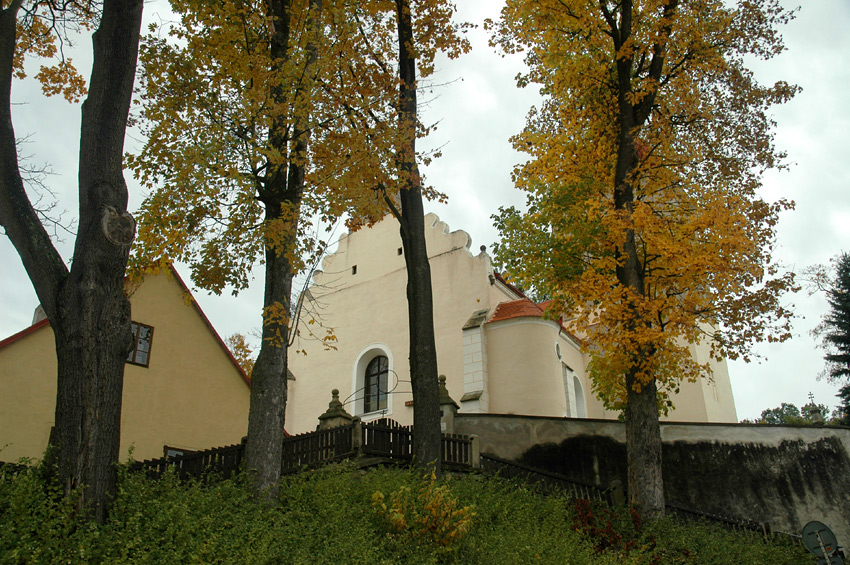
pixel 375 384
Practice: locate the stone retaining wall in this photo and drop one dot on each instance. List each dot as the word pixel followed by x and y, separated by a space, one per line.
pixel 781 475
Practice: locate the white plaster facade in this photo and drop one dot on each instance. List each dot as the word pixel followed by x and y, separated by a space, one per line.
pixel 498 353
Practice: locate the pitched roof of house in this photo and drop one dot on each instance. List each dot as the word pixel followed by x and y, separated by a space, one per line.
pixel 24 332
pixel 45 322
pixel 511 287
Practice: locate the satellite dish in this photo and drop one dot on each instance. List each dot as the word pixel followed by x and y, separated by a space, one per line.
pixel 820 540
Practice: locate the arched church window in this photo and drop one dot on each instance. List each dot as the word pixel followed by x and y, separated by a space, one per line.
pixel 375 384
pixel 581 405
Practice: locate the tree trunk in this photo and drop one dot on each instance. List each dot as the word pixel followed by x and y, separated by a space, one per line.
pixel 643 449
pixel 87 308
pixel 423 351
pixel 268 379
pixel 643 432
pixel 281 195
pixel 93 338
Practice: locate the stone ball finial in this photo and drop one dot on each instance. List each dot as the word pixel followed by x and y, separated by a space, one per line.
pixel 335 415
pixel 334 404
pixel 483 249
pixel 444 392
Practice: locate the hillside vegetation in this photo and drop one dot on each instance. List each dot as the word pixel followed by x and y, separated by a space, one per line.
pixel 343 515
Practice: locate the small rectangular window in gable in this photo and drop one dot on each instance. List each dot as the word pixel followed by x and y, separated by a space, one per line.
pixel 142 340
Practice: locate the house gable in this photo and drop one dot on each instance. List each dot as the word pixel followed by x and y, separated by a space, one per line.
pixel 192 394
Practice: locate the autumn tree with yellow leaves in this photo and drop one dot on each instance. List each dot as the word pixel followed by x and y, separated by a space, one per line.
pixel 261 114
pixel 242 352
pixel 86 305
pixel 644 220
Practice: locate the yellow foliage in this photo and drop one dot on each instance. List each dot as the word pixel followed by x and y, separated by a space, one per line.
pixel 221 115
pixel 249 132
pixel 40 30
pixel 644 222
pixel 242 352
pixel 433 515
pixel 257 117
pixel 275 322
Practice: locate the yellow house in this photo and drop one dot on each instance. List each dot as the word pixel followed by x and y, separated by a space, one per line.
pixel 498 351
pixel 183 390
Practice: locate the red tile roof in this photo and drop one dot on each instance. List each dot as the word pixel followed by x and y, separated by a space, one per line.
pixel 522 308
pixel 525 308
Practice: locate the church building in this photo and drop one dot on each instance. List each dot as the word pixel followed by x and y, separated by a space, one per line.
pixel 498 351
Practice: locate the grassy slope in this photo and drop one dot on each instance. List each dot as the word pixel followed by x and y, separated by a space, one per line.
pixel 329 517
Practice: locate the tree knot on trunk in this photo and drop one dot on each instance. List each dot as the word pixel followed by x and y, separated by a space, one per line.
pixel 118 226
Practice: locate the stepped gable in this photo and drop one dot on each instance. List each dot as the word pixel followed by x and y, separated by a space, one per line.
pixel 442 239
pixel 374 251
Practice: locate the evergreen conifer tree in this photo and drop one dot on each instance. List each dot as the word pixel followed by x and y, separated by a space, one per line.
pixel 835 330
pixel 841 415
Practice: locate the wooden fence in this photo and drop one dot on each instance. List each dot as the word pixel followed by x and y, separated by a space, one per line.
pixel 317 448
pixel 384 439
pixel 11 469
pixel 220 462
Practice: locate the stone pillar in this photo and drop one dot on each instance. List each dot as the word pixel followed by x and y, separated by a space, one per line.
pixel 448 408
pixel 618 497
pixel 335 415
pixel 475 452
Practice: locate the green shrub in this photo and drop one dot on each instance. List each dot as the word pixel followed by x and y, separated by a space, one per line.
pixel 328 516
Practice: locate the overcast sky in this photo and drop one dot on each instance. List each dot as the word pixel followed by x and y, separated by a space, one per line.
pixel 478 108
